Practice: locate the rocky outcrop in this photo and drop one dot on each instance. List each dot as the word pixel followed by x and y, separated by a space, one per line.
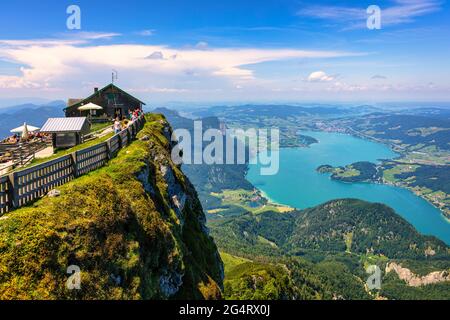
pixel 414 280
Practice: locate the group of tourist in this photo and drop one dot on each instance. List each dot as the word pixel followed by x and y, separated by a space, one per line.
pixel 16 138
pixel 132 117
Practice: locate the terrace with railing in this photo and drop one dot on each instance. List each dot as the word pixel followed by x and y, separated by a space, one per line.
pixel 25 186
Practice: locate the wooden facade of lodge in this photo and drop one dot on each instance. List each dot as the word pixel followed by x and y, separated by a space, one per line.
pixel 114 101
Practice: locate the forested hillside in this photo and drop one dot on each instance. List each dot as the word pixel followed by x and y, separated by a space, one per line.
pixel 327 248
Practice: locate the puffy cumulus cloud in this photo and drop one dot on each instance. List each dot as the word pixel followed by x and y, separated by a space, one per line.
pixel 64 64
pixel 157 55
pixel 320 76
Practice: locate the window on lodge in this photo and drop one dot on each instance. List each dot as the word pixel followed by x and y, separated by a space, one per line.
pixel 113 98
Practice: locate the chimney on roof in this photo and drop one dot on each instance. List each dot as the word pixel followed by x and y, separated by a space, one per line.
pixel 95 90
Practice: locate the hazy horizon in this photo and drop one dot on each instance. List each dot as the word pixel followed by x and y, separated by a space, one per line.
pixel 11 103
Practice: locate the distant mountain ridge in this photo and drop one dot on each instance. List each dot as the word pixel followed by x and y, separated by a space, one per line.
pixel 280 111
pixel 36 115
pixel 30 105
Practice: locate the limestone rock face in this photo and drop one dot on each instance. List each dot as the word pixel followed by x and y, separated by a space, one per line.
pixel 414 280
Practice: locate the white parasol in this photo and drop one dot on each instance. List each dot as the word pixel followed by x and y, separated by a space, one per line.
pixel 90 106
pixel 23 128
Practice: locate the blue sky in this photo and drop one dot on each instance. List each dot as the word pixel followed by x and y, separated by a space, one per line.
pixel 228 51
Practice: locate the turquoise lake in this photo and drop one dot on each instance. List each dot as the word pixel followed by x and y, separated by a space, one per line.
pixel 297 183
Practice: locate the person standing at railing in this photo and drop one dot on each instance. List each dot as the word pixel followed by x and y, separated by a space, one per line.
pixel 134 117
pixel 117 126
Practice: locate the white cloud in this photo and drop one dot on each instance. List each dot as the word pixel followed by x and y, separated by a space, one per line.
pixel 157 55
pixel 402 11
pixel 71 67
pixel 243 74
pixel 61 64
pixel 73 39
pixel 201 45
pixel 431 85
pixel 319 76
pixel 14 82
pixel 157 90
pixel 339 86
pixel 93 35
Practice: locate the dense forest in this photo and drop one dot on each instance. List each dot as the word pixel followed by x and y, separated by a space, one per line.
pixel 325 249
pixel 337 226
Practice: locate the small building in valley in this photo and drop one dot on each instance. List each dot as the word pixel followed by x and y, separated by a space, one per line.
pixel 66 132
pixel 114 101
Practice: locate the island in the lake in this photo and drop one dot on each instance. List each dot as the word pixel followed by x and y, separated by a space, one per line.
pixel 419 179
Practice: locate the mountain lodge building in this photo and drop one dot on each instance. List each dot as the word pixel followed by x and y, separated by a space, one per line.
pixel 114 101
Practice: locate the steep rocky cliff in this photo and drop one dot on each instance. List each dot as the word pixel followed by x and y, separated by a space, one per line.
pixel 135 229
pixel 415 280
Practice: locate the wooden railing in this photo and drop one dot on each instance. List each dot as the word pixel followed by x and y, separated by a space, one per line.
pixel 124 136
pixel 21 154
pixel 25 186
pixel 91 158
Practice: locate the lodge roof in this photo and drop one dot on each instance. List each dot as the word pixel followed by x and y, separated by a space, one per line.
pixel 78 102
pixel 72 101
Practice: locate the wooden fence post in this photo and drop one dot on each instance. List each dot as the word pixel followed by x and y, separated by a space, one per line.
pixel 13 191
pixel 135 130
pixel 120 142
pixel 129 135
pixel 75 164
pixel 108 149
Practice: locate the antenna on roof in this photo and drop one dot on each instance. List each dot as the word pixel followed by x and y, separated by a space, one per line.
pixel 115 75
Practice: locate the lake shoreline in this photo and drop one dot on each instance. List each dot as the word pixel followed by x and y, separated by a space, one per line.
pixel 276 203
pixel 401 153
pixel 272 201
pixel 299 183
pixel 329 170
